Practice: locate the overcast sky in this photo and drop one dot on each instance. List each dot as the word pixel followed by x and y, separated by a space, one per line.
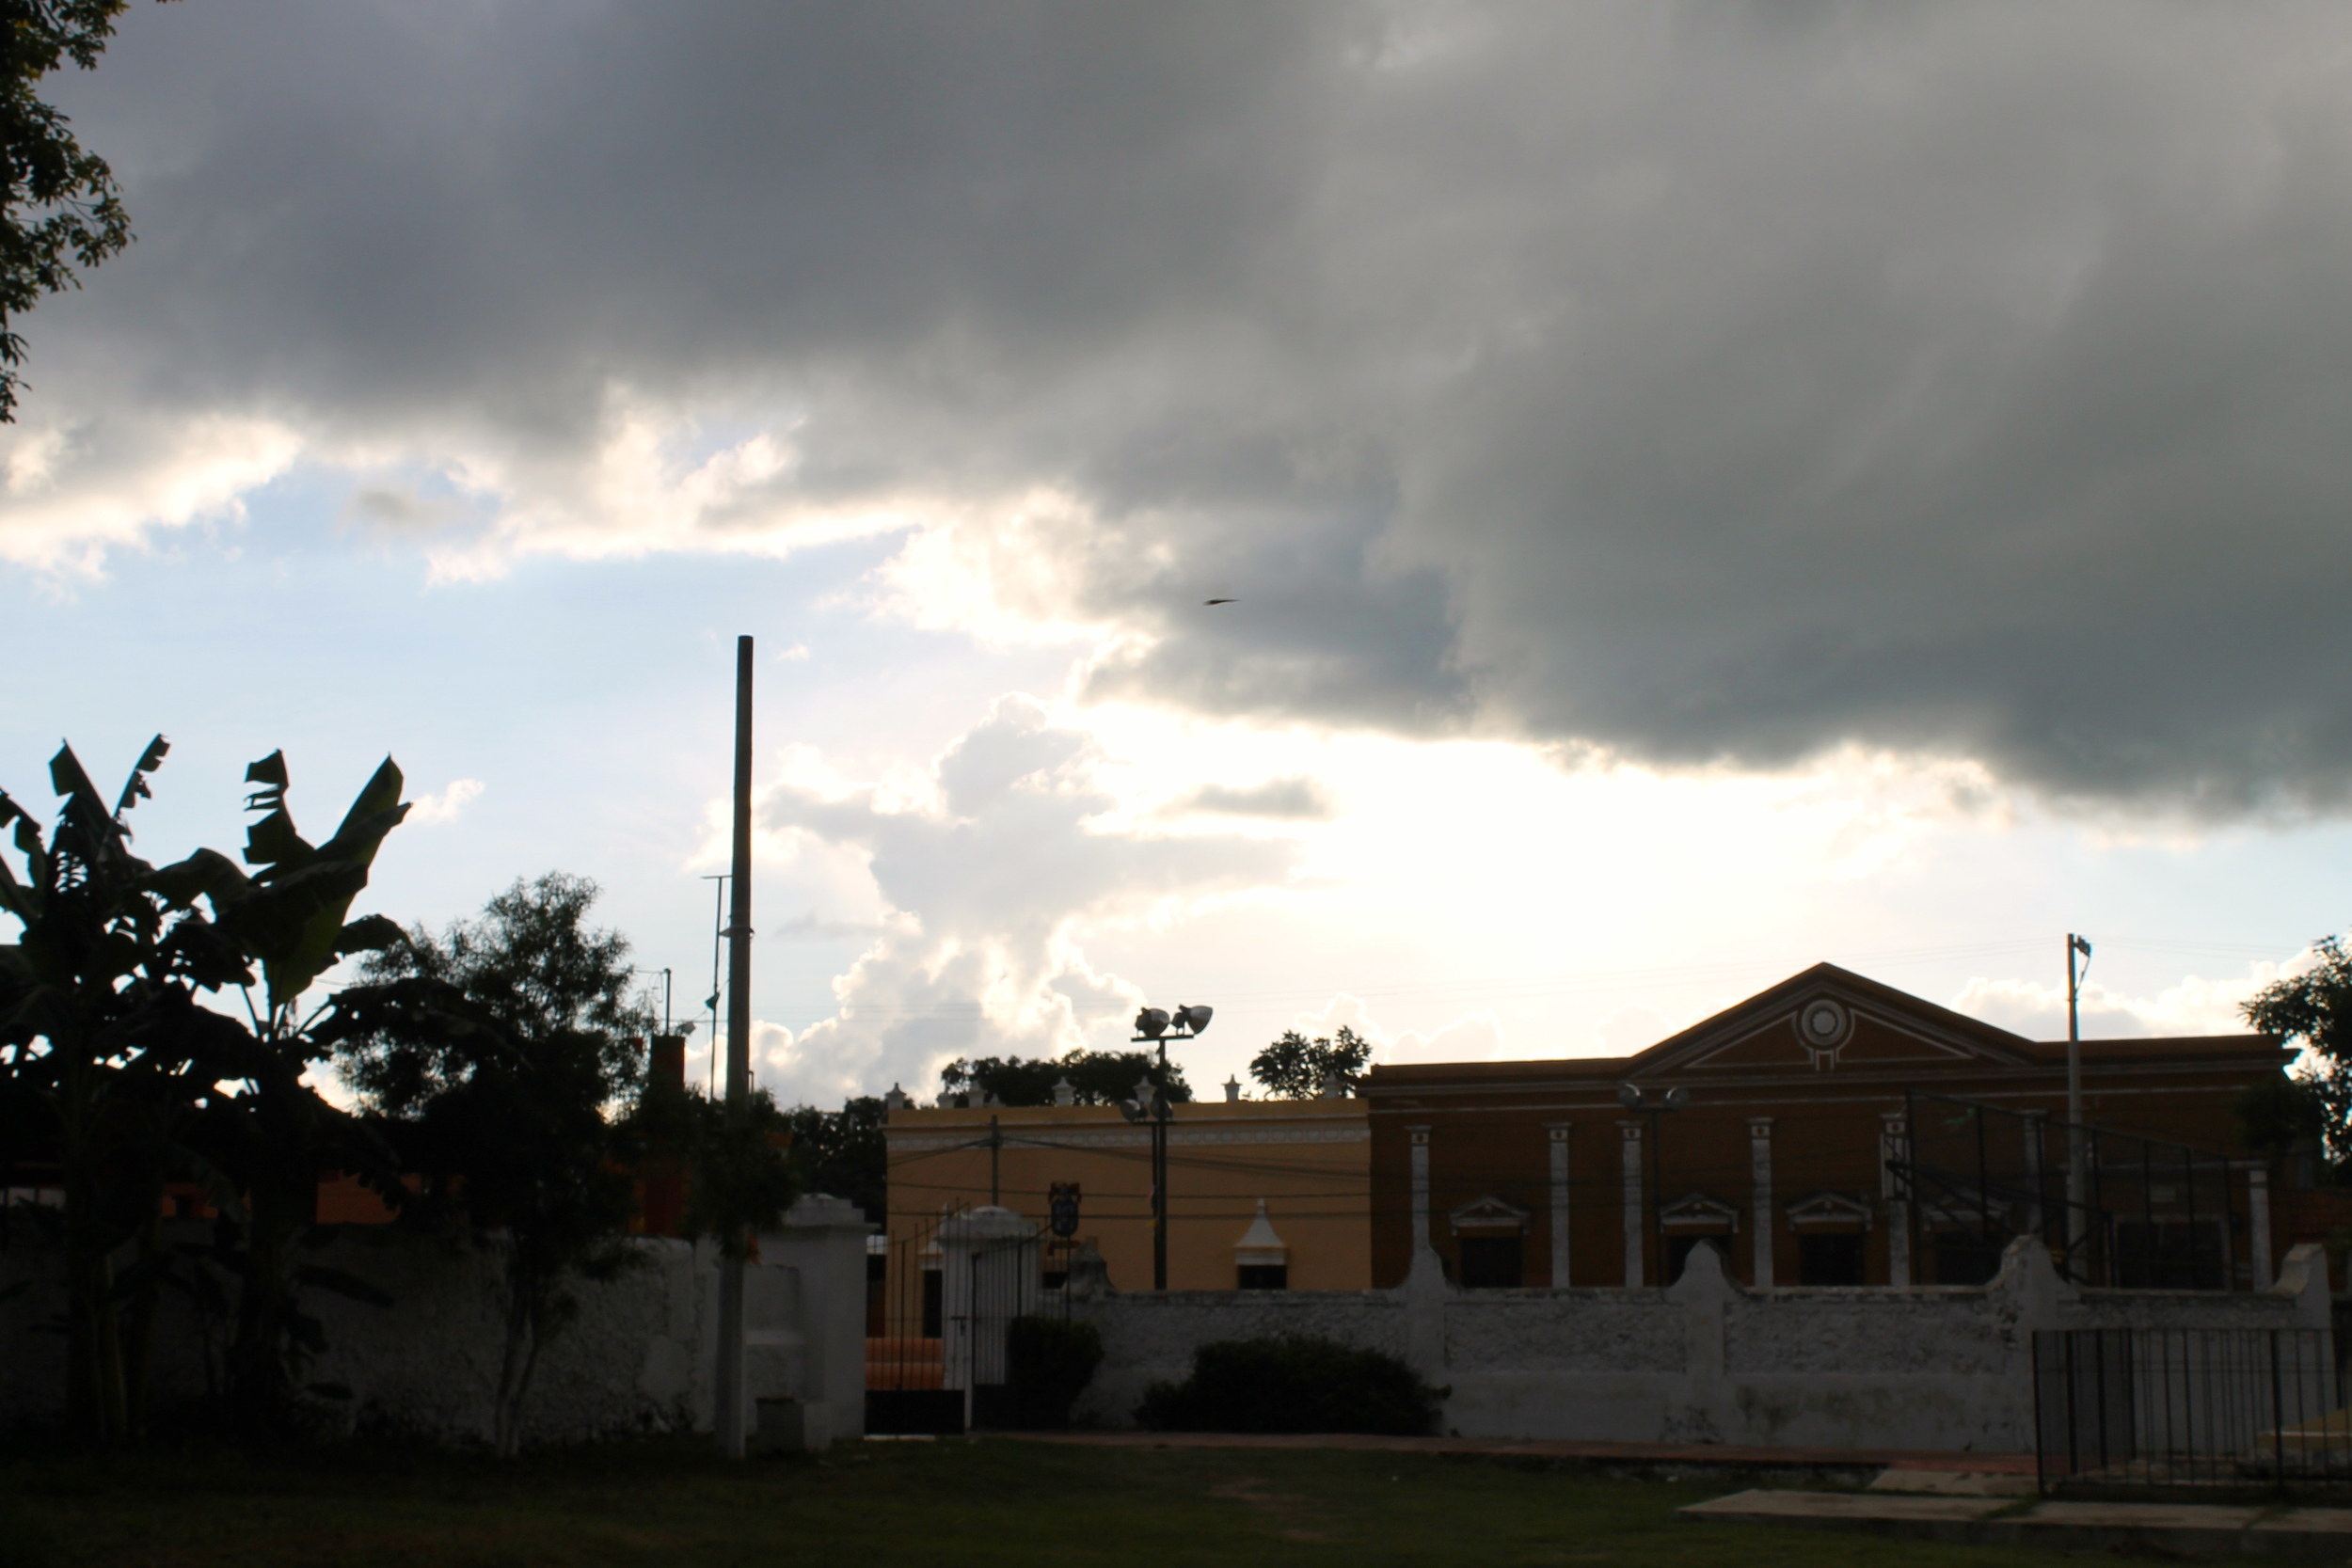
pixel 1706 488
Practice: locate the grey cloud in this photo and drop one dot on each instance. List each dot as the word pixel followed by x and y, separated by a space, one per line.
pixel 1711 383
pixel 1295 797
pixel 990 892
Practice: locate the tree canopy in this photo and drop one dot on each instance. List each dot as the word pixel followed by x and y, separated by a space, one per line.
pixel 1295 1068
pixel 2314 1105
pixel 59 206
pixel 490 1055
pixel 1096 1077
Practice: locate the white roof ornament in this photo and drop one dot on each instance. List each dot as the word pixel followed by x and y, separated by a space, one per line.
pixel 1259 1245
pixel 1065 1093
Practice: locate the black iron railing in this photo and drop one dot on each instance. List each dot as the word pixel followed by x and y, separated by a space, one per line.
pixel 2203 1407
pixel 2117 1210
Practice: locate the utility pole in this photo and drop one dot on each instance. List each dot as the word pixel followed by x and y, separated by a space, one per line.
pixel 995 1147
pixel 2076 1182
pixel 730 1411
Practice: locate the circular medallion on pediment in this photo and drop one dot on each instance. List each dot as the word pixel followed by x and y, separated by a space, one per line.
pixel 1823 1023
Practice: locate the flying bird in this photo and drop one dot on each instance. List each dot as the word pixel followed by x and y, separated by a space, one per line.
pixel 1220 601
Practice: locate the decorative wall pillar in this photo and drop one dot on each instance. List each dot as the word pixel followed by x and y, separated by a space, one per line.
pixel 2034 1132
pixel 1760 1184
pixel 1421 1191
pixel 1634 1227
pixel 1558 1132
pixel 2258 1220
pixel 1894 1144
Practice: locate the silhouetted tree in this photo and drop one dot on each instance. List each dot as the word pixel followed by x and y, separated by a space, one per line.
pixel 1097 1077
pixel 491 1054
pixel 2315 1104
pixel 126 1082
pixel 58 203
pixel 844 1153
pixel 1295 1068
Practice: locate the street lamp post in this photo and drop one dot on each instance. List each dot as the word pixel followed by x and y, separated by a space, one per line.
pixel 1630 1097
pixel 1156 1026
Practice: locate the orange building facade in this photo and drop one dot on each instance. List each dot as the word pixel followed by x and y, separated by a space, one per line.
pixel 1262 1193
pixel 1829 1130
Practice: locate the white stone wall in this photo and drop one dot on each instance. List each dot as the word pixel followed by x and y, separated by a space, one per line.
pixel 1707 1360
pixel 640 1356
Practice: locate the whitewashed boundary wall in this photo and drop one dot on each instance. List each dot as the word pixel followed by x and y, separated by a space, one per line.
pixel 1705 1360
pixel 640 1356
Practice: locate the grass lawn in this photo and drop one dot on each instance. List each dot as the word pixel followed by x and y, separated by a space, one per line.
pixel 876 1505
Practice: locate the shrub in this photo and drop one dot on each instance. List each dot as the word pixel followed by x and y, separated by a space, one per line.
pixel 1292 1384
pixel 1051 1360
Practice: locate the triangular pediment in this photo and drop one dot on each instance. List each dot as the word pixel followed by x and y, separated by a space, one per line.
pixel 1831 1019
pixel 1489 1216
pixel 1697 1212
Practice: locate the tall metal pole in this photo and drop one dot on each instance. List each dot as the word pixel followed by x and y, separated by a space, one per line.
pixel 2075 1183
pixel 1159 1177
pixel 730 1411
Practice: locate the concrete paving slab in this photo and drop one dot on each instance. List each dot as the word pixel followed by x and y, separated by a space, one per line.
pixel 2327 1522
pixel 1954 1483
pixel 1846 1508
pixel 2140 1517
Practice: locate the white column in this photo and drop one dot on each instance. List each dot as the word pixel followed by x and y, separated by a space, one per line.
pixel 1892 1146
pixel 1559 1134
pixel 2258 1219
pixel 1421 1191
pixel 1634 1226
pixel 2033 1124
pixel 1760 1186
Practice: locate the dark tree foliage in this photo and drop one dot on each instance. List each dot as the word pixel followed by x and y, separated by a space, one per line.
pixel 1292 1384
pixel 116 1080
pixel 489 1056
pixel 740 1176
pixel 1295 1067
pixel 58 206
pixel 1097 1077
pixel 842 1153
pixel 2315 1105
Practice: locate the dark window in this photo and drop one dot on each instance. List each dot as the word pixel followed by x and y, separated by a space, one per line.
pixel 1490 1262
pixel 1832 1258
pixel 1678 1252
pixel 1265 1276
pixel 934 1296
pixel 2168 1255
pixel 1964 1258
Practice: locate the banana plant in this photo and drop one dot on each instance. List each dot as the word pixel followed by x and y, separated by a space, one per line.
pixel 99 1082
pixel 116 1075
pixel 260 1123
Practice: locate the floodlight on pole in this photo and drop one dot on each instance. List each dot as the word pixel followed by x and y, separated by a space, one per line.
pixel 1156 1026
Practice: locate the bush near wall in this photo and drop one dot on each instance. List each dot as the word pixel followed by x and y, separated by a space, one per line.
pixel 1292 1384
pixel 1051 1360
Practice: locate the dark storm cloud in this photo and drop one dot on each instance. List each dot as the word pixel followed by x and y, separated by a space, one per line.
pixel 1708 383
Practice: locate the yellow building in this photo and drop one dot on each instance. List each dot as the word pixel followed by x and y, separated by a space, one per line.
pixel 1306 1162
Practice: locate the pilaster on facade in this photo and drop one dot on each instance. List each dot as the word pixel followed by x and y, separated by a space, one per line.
pixel 1634 1226
pixel 1895 1149
pixel 1421 1187
pixel 1558 1133
pixel 2258 1220
pixel 1760 1184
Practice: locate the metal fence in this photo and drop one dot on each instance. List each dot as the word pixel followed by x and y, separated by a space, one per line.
pixel 2210 1407
pixel 942 1298
pixel 2117 1210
